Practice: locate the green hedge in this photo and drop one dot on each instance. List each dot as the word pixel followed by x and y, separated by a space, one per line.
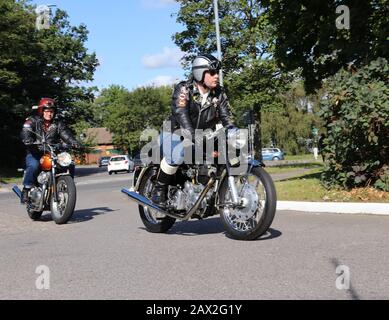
pixel 356 111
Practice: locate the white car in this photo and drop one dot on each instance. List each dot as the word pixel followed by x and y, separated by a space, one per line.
pixel 120 163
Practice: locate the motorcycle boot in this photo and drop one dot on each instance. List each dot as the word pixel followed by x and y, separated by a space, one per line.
pixel 24 197
pixel 159 193
pixel 165 176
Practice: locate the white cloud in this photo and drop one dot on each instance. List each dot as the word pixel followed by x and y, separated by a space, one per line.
pixel 169 58
pixel 156 4
pixel 161 81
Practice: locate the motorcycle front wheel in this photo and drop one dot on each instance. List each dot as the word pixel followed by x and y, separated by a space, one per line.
pixel 254 217
pixel 62 210
pixel 153 220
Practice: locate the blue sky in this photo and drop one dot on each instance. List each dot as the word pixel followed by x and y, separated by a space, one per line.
pixel 132 39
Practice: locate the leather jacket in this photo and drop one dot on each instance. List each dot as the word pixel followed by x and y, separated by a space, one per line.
pixel 53 134
pixel 189 113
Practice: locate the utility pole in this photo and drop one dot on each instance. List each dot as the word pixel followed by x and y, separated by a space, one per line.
pixel 219 50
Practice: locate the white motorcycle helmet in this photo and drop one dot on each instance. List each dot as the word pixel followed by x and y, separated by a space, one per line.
pixel 202 63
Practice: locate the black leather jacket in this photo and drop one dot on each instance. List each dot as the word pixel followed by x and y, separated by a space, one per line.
pixel 188 113
pixel 54 134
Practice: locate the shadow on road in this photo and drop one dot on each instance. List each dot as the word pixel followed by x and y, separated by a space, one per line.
pixel 88 214
pixel 210 226
pixel 81 215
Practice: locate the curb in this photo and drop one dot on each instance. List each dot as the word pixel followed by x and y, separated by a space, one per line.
pixel 335 207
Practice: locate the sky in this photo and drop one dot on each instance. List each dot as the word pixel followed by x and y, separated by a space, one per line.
pixel 131 38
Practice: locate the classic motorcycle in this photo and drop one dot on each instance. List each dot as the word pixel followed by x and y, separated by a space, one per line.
pixel 245 201
pixel 55 190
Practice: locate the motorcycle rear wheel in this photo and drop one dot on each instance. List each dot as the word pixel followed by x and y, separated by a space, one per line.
pixel 253 220
pixel 154 221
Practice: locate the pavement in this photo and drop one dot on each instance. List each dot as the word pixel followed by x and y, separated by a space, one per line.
pixel 313 207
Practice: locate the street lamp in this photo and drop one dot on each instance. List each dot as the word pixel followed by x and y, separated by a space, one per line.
pixel 219 50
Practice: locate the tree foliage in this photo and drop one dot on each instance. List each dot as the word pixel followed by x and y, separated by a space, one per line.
pixel 37 63
pixel 126 114
pixel 356 110
pixel 307 37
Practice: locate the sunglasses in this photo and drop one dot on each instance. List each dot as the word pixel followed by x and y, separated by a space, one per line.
pixel 213 72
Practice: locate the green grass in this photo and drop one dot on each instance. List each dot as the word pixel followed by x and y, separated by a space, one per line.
pixel 308 157
pixel 307 187
pixel 294 167
pixel 8 175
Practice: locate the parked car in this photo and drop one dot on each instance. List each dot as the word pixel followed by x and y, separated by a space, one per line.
pixel 120 163
pixel 272 154
pixel 103 161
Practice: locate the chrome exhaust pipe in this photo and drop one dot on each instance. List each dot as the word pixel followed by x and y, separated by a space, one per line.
pixel 146 202
pixel 17 191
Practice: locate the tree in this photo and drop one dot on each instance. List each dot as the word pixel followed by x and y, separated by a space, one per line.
pixel 307 37
pixel 127 114
pixel 37 63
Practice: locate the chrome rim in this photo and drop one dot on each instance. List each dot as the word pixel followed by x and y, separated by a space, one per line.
pixel 247 217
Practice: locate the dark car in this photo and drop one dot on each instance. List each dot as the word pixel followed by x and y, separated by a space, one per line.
pixel 103 161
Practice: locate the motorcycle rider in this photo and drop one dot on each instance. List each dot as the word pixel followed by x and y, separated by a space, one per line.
pixel 198 103
pixel 53 131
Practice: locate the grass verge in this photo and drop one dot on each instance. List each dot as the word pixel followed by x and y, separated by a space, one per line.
pixel 8 175
pixel 307 187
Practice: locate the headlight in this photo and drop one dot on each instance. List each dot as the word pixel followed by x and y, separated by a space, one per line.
pixel 43 177
pixel 64 159
pixel 237 138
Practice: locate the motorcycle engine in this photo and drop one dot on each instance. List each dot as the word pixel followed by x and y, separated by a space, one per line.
pixel 184 199
pixel 35 196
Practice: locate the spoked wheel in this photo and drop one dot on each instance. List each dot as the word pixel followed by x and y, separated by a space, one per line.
pixel 63 210
pixel 256 213
pixel 153 220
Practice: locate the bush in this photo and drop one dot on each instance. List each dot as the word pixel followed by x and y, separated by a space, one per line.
pixel 355 109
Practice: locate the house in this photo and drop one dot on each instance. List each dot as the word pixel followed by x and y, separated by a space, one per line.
pixel 101 138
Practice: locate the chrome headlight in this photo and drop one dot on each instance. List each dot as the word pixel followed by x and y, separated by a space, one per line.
pixel 237 138
pixel 64 159
pixel 43 177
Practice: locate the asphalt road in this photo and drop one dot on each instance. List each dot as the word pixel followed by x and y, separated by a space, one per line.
pixel 105 253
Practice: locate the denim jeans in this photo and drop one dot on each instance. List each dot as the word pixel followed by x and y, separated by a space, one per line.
pixel 172 148
pixel 32 170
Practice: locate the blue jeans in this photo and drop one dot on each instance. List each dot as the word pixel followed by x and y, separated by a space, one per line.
pixel 32 170
pixel 172 148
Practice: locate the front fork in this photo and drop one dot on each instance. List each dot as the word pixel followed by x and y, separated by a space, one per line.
pixel 53 184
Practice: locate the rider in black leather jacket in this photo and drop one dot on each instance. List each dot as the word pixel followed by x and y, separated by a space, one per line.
pixel 199 103
pixel 34 129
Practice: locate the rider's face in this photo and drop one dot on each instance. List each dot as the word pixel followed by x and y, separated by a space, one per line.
pixel 211 79
pixel 48 114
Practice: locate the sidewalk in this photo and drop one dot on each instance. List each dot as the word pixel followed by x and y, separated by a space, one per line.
pixel 335 207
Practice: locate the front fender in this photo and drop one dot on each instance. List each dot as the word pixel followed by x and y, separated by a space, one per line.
pixel 138 175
